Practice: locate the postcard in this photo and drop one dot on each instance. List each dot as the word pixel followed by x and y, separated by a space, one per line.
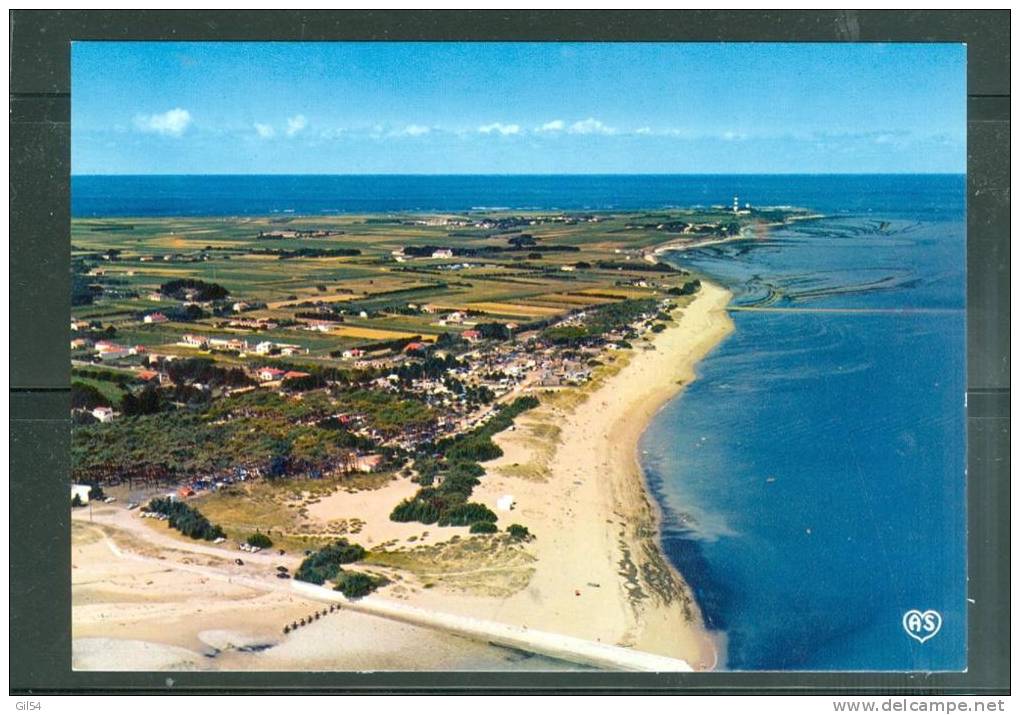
pixel 547 356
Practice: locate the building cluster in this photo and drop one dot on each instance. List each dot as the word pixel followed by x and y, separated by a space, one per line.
pixel 240 345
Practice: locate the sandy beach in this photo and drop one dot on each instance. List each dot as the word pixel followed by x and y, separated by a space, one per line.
pixel 145 597
pixel 574 473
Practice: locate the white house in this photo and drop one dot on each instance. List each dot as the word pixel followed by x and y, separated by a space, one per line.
pixel 193 341
pixel 270 374
pixel 103 414
pixel 115 354
pixel 81 491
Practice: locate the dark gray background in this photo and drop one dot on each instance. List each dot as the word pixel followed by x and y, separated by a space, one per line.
pixel 40 616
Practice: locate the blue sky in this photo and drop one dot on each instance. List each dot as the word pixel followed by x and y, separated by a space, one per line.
pixel 516 108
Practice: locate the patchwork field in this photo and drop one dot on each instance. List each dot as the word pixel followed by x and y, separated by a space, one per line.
pixel 316 287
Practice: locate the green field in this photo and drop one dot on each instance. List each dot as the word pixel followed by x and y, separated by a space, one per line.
pixel 128 259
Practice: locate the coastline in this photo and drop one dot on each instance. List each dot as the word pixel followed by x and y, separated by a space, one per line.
pixel 606 558
pixel 679 245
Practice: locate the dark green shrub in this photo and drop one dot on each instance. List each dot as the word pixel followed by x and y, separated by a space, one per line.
pixel 87 397
pixel 415 510
pixel 483 527
pixel 518 532
pixel 464 514
pixel 260 540
pixel 355 584
pixel 324 565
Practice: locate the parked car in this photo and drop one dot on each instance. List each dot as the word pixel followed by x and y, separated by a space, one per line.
pixel 239 562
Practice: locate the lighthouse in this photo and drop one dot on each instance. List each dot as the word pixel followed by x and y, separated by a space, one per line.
pixel 736 205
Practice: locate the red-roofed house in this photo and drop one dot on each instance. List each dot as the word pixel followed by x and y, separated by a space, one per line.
pixel 268 374
pixel 471 335
pixel 294 374
pixel 155 318
pixel 411 347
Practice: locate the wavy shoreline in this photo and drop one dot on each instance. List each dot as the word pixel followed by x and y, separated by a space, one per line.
pixel 712 336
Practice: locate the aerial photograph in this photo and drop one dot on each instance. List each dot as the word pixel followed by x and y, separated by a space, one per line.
pixel 445 356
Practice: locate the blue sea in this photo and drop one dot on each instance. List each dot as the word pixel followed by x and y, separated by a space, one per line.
pixel 813 478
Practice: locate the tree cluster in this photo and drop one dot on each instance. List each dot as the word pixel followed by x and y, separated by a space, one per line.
pixel 324 565
pixel 447 484
pixel 203 292
pixel 355 584
pixel 186 519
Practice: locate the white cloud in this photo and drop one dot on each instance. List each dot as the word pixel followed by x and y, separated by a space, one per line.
pixel 734 136
pixel 296 124
pixel 590 126
pixel 171 123
pixel 556 125
pixel 643 130
pixel 504 129
pixel 265 130
pixel 414 130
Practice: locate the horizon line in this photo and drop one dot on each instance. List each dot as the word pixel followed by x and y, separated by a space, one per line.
pixel 437 174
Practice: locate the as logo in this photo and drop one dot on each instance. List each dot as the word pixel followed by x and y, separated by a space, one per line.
pixel 922 626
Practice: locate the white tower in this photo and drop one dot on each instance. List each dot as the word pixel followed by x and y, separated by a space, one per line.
pixel 736 204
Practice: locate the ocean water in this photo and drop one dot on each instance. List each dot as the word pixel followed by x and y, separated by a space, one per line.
pixel 812 479
pixel 257 195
